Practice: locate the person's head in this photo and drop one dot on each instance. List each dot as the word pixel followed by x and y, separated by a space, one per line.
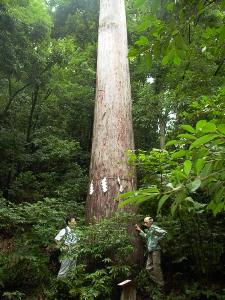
pixel 148 221
pixel 71 221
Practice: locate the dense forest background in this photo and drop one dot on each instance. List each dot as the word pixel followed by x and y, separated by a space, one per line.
pixel 47 89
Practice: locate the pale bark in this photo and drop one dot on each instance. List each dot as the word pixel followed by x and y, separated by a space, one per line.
pixel 162 132
pixel 112 132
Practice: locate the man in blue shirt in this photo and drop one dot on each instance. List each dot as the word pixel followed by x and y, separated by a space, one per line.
pixel 153 234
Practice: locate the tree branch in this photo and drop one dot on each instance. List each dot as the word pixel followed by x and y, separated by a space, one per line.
pixel 33 106
pixel 11 97
pixel 202 10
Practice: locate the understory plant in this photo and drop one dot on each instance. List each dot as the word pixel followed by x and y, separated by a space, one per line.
pixel 104 260
pixel 183 185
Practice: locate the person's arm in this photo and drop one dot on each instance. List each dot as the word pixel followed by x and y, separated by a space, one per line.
pixel 141 232
pixel 59 237
pixel 160 232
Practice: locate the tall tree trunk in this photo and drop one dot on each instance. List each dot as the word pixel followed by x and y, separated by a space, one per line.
pixel 112 132
pixel 162 132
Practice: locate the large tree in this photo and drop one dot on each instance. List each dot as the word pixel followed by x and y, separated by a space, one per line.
pixel 110 172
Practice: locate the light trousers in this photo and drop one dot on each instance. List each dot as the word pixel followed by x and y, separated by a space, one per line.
pixel 153 266
pixel 65 267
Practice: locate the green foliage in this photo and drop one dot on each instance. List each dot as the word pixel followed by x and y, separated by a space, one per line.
pixel 187 186
pixel 46 101
pixel 34 227
pixel 13 295
pixel 103 260
pixel 172 43
pixel 194 291
pixel 197 168
pixel 47 87
pixel 169 30
pixel 24 26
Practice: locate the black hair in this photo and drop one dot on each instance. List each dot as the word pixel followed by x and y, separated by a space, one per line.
pixel 69 218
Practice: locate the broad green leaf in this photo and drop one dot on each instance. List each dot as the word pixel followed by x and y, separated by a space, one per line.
pixel 174 207
pixel 219 194
pixel 200 124
pixel 124 195
pixel 179 153
pixel 176 59
pixel 201 152
pixel 209 127
pixel 175 32
pixel 165 59
pixel 207 169
pixel 219 165
pixel 210 32
pixel 194 185
pixel 187 167
pixel 200 6
pixel 152 189
pixel 188 128
pixel 143 41
pixel 173 142
pixel 180 44
pixel 219 142
pixel 146 24
pixel 196 205
pixel 203 140
pixel 179 175
pixel 138 199
pixel 212 206
pixel 189 199
pixel 221 128
pixel 199 164
pixel 170 6
pixel 216 207
pixel 139 3
pixel 162 202
pixel 138 196
pixel 132 53
pixel 155 33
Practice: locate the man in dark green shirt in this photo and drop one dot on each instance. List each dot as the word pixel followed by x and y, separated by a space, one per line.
pixel 153 234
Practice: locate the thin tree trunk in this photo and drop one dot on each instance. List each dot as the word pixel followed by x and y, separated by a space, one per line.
pixel 112 132
pixel 33 106
pixel 162 133
pixel 12 96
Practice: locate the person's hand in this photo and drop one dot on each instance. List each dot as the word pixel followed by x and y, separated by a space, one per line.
pixel 137 227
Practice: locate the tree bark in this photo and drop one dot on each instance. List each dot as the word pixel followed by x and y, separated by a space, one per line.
pixel 34 99
pixel 112 131
pixel 12 96
pixel 162 132
pixel 128 293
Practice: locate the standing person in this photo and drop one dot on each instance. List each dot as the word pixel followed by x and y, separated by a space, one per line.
pixel 66 240
pixel 153 234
